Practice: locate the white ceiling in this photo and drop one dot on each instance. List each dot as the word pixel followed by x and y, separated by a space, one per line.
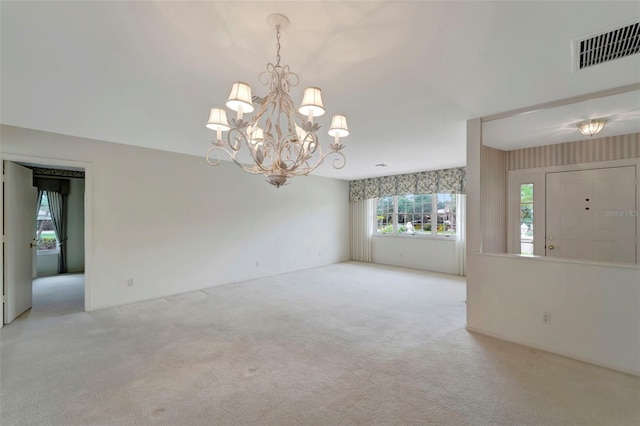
pixel 560 124
pixel 407 74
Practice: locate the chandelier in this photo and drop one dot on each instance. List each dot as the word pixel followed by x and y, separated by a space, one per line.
pixel 279 141
pixel 591 127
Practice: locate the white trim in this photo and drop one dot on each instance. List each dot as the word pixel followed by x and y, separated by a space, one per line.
pixel 88 213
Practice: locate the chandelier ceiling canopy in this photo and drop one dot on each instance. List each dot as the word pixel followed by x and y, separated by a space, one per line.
pixel 280 141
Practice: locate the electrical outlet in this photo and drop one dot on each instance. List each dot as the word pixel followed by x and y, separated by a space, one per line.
pixel 130 282
pixel 546 318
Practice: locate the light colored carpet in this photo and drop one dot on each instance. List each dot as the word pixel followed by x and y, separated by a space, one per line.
pixel 57 295
pixel 346 344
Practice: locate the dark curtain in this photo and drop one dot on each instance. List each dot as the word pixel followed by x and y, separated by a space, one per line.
pixel 52 185
pixel 40 194
pixel 57 207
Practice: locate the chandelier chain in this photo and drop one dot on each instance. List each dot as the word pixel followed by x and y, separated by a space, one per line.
pixel 277 45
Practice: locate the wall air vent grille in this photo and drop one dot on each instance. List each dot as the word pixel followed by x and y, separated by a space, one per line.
pixel 608 46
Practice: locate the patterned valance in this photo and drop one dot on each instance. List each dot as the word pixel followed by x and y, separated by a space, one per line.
pixel 445 181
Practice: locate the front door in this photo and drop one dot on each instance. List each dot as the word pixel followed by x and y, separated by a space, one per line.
pixel 590 214
pixel 20 199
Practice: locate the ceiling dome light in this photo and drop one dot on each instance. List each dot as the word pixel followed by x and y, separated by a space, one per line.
pixel 592 127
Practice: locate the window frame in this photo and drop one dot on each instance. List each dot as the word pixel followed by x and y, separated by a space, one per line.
pixel 434 220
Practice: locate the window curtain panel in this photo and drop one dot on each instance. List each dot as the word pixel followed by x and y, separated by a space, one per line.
pixel 451 181
pixel 461 236
pixel 361 218
pixel 57 206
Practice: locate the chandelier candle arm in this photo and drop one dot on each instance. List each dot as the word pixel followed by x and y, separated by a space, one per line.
pixel 280 140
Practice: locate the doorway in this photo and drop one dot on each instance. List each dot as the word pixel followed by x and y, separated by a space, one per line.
pixel 54 294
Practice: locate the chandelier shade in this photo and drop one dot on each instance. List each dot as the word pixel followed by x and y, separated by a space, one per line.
pixel 280 141
pixel 256 135
pixel 592 127
pixel 339 126
pixel 240 98
pixel 218 120
pixel 312 102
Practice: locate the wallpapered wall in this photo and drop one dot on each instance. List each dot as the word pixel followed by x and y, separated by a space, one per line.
pixel 493 201
pixel 584 151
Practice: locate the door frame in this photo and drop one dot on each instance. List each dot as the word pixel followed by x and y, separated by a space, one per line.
pixel 88 218
pixel 514 177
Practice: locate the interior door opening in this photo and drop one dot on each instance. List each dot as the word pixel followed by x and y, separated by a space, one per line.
pixel 48 278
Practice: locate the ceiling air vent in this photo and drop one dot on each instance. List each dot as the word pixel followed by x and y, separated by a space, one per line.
pixel 608 46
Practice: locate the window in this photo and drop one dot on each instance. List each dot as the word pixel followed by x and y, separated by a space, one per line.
pixel 421 214
pixel 526 218
pixel 45 234
pixel 385 215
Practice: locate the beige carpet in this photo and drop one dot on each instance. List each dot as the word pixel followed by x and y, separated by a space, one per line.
pixel 346 344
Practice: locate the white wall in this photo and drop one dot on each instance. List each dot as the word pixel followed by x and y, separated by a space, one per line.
pixel 174 224
pixel 420 253
pixel 47 264
pixel 595 308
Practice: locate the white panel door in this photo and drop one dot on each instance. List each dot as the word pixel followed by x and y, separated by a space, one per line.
pixel 590 214
pixel 20 199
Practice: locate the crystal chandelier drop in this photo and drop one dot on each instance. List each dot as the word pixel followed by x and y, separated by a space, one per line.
pixel 279 141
